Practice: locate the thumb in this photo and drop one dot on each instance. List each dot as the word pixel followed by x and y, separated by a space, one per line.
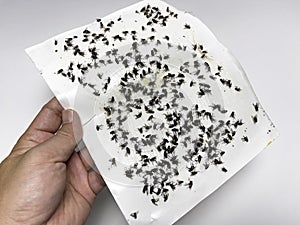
pixel 61 146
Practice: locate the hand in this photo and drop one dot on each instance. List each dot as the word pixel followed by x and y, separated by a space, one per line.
pixel 43 180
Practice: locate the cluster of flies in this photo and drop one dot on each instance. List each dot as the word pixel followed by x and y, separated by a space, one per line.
pixel 149 99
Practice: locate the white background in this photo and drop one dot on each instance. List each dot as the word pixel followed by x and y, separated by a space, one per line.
pixel 265 37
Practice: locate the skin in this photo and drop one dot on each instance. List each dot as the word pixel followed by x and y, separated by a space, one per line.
pixel 43 180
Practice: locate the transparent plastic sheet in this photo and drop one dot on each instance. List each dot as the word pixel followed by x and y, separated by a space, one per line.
pixel 168 114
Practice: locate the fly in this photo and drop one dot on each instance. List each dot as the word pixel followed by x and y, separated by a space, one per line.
pixel 254 119
pixel 245 139
pixel 256 106
pixel 139 115
pixel 107 110
pixel 112 100
pixel 238 89
pixel 187 26
pixel 134 215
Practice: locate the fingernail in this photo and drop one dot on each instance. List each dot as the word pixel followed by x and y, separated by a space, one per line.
pixel 67 116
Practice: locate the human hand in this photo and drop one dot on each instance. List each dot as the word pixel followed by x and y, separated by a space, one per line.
pixel 43 180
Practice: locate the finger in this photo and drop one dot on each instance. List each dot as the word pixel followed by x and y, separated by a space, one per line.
pixel 86 159
pixel 87 184
pixel 60 147
pixel 45 124
pixel 96 182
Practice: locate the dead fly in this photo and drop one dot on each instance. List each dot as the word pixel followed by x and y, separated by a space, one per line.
pixel 124 145
pixel 99 127
pixel 191 168
pixel 209 116
pixel 154 201
pixel 167 38
pixel 140 130
pixel 217 74
pixel 129 173
pixel 55 42
pixel 226 82
pixel 238 89
pixel 207 67
pixel 201 93
pixel 254 119
pixel 238 123
pixel 100 21
pixel 224 170
pixel 113 162
pixel 166 67
pixel 135 71
pixel 212 77
pixel 179 47
pixel 111 23
pixel 114 138
pixel 180 82
pixel 86 31
pixel 166 196
pixel 112 100
pixel 226 141
pixel 134 215
pixel 187 26
pixel 150 118
pixel 80 53
pixel 218 162
pixel 107 110
pixel 152 38
pixel 228 123
pixel 232 115
pixel 199 158
pixel 145 189
pixel 139 115
pixel 148 110
pixel 109 123
pixel 180 75
pixel 190 184
pixel 166 57
pixel 100 75
pixel 195 47
pixel 256 106
pixel 118 37
pixel 245 139
pixel 60 71
pixel 127 151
